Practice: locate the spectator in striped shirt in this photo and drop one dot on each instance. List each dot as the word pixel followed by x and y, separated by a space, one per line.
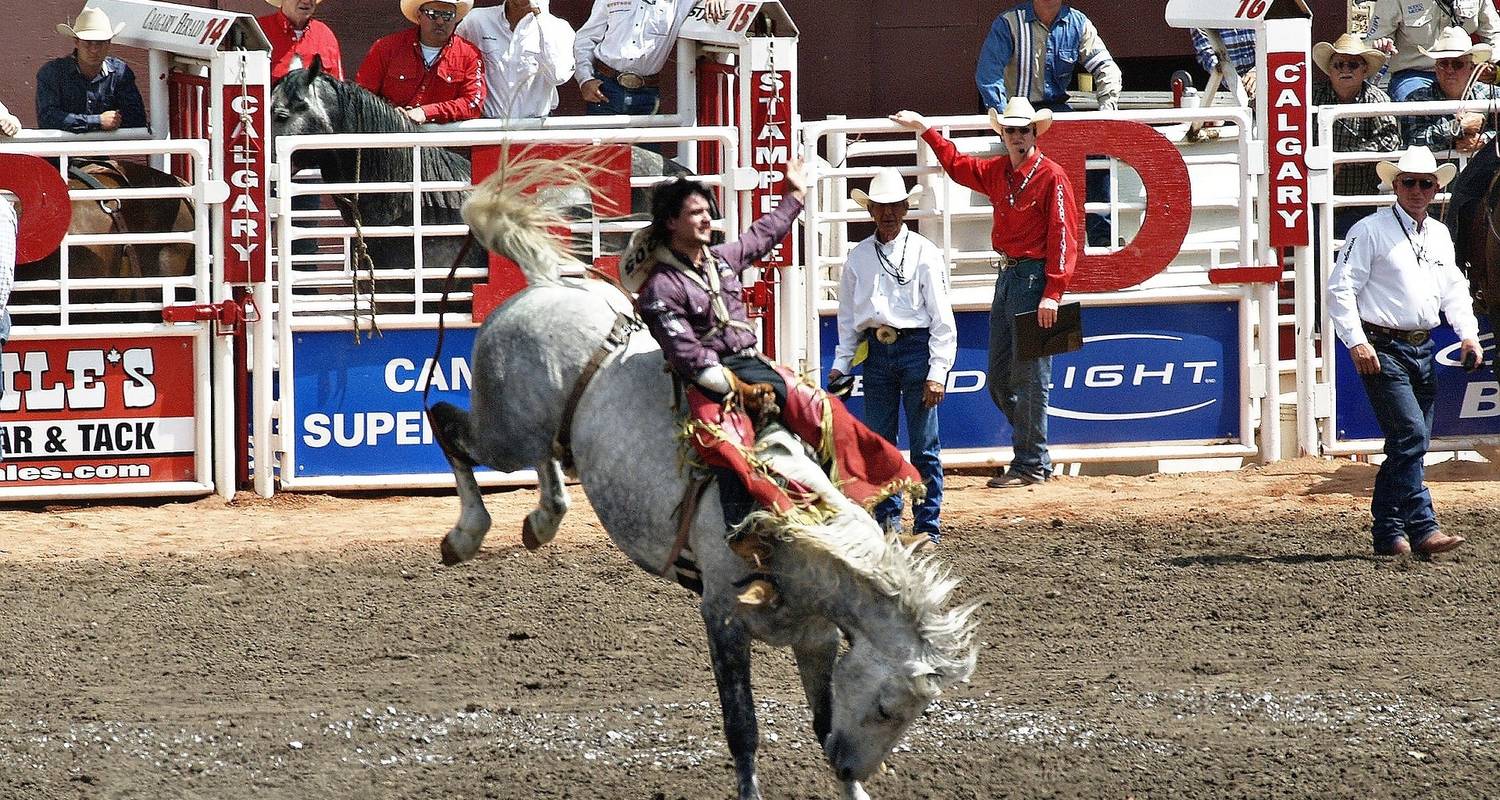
pixel 1033 50
pixel 1239 44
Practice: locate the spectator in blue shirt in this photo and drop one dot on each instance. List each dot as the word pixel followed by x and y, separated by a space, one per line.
pixel 1032 51
pixel 1239 43
pixel 89 90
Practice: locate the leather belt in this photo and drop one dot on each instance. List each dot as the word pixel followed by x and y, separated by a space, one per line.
pixel 1410 337
pixel 627 80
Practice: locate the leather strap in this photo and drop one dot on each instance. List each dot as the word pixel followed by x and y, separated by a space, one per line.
pixel 687 511
pixel 618 336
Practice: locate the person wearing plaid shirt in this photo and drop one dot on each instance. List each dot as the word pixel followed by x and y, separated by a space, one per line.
pixel 1349 64
pixel 1239 43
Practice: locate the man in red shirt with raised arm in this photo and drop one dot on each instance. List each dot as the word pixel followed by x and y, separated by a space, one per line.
pixel 1036 234
pixel 427 71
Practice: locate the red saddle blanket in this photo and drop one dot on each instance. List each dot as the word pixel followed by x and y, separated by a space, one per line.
pixel 865 466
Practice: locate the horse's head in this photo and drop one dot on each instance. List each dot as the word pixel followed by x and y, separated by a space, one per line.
pixel 306 101
pixel 875 699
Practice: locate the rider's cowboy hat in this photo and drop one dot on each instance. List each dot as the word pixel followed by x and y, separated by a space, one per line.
pixel 1018 114
pixel 409 8
pixel 1454 43
pixel 887 187
pixel 92 25
pixel 1416 160
pixel 1348 45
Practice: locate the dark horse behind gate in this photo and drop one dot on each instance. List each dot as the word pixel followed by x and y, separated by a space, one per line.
pixel 310 101
pixel 1475 218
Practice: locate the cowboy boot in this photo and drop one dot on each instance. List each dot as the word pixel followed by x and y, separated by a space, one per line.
pixel 758 590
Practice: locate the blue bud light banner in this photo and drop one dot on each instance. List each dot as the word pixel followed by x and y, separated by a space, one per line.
pixel 1467 404
pixel 1146 374
pixel 358 407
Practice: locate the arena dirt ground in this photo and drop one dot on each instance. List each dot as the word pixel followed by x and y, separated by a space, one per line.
pixel 1224 635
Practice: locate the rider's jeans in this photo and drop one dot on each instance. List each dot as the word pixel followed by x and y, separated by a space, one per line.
pixel 895 375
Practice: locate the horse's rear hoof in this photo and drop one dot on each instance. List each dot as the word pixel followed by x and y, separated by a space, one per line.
pixel 528 535
pixel 450 555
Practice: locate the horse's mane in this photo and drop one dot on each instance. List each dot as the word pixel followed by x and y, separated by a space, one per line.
pixel 848 559
pixel 362 111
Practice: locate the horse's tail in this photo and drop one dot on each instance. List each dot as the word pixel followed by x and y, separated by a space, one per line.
pixel 515 213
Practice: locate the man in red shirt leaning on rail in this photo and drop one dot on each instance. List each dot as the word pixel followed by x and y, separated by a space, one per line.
pixel 296 39
pixel 1036 234
pixel 427 71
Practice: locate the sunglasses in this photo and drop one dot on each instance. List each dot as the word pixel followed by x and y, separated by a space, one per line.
pixel 1412 183
pixel 437 15
pixel 1351 64
pixel 1015 131
pixel 1452 64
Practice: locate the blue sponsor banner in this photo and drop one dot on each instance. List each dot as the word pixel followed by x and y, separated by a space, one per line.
pixel 1467 404
pixel 1146 374
pixel 359 406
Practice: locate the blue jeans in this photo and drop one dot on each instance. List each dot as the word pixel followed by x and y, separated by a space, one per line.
pixel 1019 387
pixel 1402 394
pixel 645 100
pixel 1406 81
pixel 896 376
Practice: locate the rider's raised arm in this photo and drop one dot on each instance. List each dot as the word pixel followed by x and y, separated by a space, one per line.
pixel 764 234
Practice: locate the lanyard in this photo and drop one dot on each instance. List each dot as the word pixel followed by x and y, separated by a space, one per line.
pixel 1419 253
pixel 897 269
pixel 1016 190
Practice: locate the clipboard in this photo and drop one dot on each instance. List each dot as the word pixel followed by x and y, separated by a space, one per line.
pixel 1065 335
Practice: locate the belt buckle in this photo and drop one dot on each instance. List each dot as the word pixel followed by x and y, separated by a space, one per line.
pixel 1415 337
pixel 630 80
pixel 1004 262
pixel 887 335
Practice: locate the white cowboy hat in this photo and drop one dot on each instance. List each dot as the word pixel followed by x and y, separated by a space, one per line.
pixel 1416 160
pixel 1019 113
pixel 1454 43
pixel 1349 45
pixel 887 187
pixel 409 7
pixel 277 3
pixel 92 25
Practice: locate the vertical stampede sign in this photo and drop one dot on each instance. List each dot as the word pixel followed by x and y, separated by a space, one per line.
pixel 75 412
pixel 245 165
pixel 771 149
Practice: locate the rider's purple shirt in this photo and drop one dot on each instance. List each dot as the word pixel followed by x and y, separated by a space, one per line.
pixel 677 309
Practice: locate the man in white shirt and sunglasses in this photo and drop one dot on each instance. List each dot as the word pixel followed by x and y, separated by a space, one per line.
pixel 1395 274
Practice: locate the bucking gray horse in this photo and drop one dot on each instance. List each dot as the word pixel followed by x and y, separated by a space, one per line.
pixel 841 579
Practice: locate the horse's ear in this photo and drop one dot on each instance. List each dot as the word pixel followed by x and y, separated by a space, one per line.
pixel 316 68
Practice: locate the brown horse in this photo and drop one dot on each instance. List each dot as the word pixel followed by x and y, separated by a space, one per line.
pixel 156 215
pixel 1481 250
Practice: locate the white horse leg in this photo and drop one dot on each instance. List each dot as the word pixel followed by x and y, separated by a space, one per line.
pixel 450 426
pixel 463 541
pixel 729 648
pixel 541 524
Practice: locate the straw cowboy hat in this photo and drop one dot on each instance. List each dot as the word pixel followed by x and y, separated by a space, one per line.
pixel 1454 43
pixel 1415 161
pixel 1019 113
pixel 1348 45
pixel 887 187
pixel 409 8
pixel 92 25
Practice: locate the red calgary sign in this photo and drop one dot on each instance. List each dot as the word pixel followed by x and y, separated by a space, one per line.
pixel 82 411
pixel 1286 142
pixel 245 223
pixel 771 149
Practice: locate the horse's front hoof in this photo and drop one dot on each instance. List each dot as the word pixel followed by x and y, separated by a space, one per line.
pixel 528 535
pixel 450 554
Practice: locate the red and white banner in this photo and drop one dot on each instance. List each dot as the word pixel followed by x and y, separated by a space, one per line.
pixel 771 149
pixel 245 164
pixel 1286 148
pixel 85 411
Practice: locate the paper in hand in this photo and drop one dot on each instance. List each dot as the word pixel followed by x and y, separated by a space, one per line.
pixel 1065 335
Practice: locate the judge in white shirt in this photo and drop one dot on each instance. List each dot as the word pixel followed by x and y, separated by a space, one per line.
pixel 621 49
pixel 527 53
pixel 1396 273
pixel 893 304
